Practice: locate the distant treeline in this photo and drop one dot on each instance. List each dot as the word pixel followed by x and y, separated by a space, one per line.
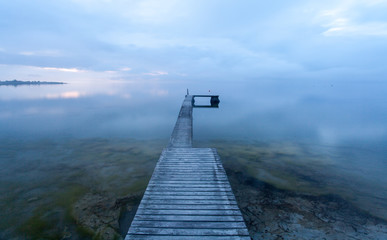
pixel 18 83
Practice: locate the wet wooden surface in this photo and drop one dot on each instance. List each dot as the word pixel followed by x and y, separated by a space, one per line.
pixel 189 195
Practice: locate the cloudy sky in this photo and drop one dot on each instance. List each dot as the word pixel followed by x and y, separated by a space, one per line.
pixel 193 39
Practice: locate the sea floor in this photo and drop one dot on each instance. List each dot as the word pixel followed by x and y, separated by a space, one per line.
pixel 90 188
pixel 290 191
pixel 71 188
pixel 272 213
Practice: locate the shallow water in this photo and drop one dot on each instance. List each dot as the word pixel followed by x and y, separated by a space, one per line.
pixel 60 143
pixel 42 180
pixel 308 170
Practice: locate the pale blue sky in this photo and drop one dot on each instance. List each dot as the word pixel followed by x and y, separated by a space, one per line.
pixel 193 39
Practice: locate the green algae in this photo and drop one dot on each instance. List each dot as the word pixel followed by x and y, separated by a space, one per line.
pixel 42 180
pixel 301 168
pixel 45 178
pixel 67 197
pixel 37 228
pixel 285 166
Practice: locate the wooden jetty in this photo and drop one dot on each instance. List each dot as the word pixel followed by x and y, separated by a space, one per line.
pixel 189 195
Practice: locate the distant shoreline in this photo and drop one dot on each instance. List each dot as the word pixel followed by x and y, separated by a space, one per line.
pixel 16 83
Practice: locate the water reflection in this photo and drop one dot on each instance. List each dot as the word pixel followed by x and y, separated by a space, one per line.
pixel 72 140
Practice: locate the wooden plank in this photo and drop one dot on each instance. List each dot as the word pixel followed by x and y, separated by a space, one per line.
pixel 191 184
pixel 189 207
pixel 179 178
pixel 189 160
pixel 183 193
pixel 187 164
pixel 215 181
pixel 190 173
pixel 185 218
pixel 165 183
pixel 190 232
pixel 188 189
pixel 177 201
pixel 175 186
pixel 198 174
pixel 188 177
pixel 190 167
pixel 169 237
pixel 185 197
pixel 180 199
pixel 184 157
pixel 204 167
pixel 209 212
pixel 197 225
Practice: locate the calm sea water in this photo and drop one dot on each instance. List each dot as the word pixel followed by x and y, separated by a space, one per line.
pixel 325 137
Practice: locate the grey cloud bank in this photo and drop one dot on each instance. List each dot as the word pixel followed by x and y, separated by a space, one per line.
pixel 200 39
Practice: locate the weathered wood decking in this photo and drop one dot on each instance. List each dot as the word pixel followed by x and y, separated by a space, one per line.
pixel 189 195
pixel 182 133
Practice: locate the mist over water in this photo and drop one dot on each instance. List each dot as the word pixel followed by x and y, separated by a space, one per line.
pixel 302 116
pixel 311 137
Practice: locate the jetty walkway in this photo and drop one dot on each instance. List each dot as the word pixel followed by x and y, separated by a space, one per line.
pixel 188 195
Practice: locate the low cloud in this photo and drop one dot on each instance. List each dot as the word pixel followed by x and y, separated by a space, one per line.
pixel 156 73
pixel 44 53
pixel 74 70
pixel 348 29
pixel 126 69
pixel 73 94
pixel 350 18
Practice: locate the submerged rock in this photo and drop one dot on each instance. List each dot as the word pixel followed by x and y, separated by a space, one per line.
pixel 271 213
pixel 98 214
